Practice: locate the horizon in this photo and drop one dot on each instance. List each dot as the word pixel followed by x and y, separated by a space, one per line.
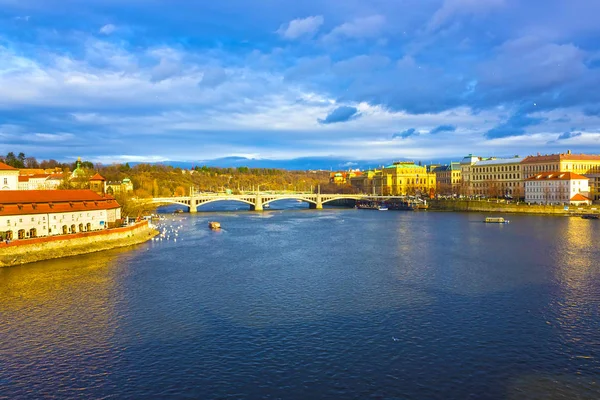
pixel 363 81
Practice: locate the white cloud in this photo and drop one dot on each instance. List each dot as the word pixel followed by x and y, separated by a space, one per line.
pixel 301 27
pixel 450 8
pixel 367 27
pixel 108 29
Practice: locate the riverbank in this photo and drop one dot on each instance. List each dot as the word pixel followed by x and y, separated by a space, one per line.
pixel 493 206
pixel 45 248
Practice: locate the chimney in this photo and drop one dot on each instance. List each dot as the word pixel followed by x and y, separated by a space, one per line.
pixel 568 151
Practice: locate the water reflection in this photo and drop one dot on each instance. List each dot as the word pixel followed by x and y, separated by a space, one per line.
pixel 58 323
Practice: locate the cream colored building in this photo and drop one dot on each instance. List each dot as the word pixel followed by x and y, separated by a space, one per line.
pixel 37 213
pixel 465 172
pixel 556 188
pixel 9 177
pixel 498 177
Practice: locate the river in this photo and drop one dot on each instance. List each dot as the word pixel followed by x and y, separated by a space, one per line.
pixel 307 304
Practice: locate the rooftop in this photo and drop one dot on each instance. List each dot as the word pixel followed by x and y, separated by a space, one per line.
pixel 556 176
pixel 6 167
pixel 500 161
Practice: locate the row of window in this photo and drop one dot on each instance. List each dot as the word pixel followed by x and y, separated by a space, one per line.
pixel 503 168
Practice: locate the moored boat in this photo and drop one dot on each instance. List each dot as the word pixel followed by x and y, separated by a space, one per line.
pixel 590 216
pixel 496 220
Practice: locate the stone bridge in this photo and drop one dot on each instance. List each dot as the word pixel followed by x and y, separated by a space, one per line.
pixel 257 201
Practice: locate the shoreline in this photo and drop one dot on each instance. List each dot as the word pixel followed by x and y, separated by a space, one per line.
pixel 512 208
pixel 47 248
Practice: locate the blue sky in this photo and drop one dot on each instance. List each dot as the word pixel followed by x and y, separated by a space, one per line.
pixel 150 80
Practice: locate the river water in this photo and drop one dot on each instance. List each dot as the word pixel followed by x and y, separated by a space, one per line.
pixel 307 304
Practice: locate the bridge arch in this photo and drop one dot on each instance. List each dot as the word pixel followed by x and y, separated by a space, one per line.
pixel 201 203
pixel 290 198
pixel 165 202
pixel 341 198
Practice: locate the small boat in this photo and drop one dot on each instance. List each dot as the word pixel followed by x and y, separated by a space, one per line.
pixel 590 216
pixel 496 220
pixel 178 211
pixel 267 205
pixel 298 201
pixel 382 208
pixel 214 225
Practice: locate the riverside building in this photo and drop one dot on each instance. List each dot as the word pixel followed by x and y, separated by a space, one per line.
pixel 448 178
pixel 404 178
pixel 557 188
pixel 38 213
pixel 498 177
pixel 9 177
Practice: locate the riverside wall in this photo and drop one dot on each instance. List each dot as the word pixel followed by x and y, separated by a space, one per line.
pixel 45 248
pixel 494 206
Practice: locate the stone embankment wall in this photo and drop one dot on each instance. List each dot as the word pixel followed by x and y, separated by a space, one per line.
pixel 31 250
pixel 493 206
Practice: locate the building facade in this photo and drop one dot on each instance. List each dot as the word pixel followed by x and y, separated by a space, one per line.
pixel 9 177
pixel 557 188
pixel 364 181
pixel 448 178
pixel 404 178
pixel 498 177
pixel 37 213
pixel 465 172
pixel 581 164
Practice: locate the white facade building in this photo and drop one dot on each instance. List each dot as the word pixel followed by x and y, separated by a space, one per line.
pixel 9 177
pixel 39 213
pixel 557 188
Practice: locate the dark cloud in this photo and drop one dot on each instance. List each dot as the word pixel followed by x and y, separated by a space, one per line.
pixel 405 134
pixel 340 114
pixel 443 128
pixel 568 135
pixel 514 126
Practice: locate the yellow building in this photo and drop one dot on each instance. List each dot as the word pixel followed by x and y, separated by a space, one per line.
pixel 448 178
pixel 565 162
pixel 404 178
pixel 498 177
pixel 364 181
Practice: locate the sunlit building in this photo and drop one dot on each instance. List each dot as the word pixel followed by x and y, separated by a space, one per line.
pixel 465 173
pixel 364 181
pixel 448 178
pixel 565 162
pixel 404 178
pixel 9 177
pixel 557 188
pixel 36 213
pixel 497 177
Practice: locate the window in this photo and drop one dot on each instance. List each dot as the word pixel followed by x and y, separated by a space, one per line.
pixel 6 181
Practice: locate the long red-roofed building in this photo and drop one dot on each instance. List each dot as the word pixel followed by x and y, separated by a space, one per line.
pixel 37 213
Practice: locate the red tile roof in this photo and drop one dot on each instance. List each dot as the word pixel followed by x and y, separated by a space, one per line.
pixel 556 176
pixel 4 167
pixel 46 196
pixel 23 178
pixel 97 177
pixel 579 197
pixel 24 202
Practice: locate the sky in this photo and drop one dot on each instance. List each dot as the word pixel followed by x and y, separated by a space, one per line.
pixel 152 80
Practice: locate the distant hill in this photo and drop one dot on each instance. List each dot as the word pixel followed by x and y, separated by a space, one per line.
pixel 301 164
